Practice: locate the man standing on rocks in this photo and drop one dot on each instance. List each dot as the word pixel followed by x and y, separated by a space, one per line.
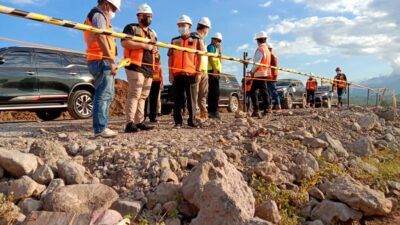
pixel 214 69
pixel 311 88
pixel 203 27
pixel 101 52
pixel 155 89
pixel 140 72
pixel 340 84
pixel 260 73
pixel 271 83
pixel 183 72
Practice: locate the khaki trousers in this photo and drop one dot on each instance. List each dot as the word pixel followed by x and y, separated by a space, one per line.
pixel 202 93
pixel 138 91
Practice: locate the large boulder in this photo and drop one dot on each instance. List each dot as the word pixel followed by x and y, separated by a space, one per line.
pixel 269 211
pixel 220 193
pixel 49 151
pixel 29 205
pixel 17 163
pixel 80 198
pixel 336 145
pixel 368 122
pixel 362 147
pixel 43 175
pixel 71 172
pixel 358 196
pixel 25 187
pixel 334 212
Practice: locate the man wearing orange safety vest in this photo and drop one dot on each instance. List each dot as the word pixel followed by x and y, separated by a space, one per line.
pixel 340 85
pixel 271 83
pixel 260 74
pixel 184 72
pixel 156 87
pixel 311 88
pixel 101 52
pixel 141 70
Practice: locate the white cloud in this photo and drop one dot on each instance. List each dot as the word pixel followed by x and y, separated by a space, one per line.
pixel 266 4
pixel 243 47
pixel 25 2
pixel 232 68
pixel 316 62
pixel 235 11
pixel 369 28
pixel 273 18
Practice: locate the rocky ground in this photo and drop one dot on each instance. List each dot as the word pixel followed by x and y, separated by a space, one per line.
pixel 297 167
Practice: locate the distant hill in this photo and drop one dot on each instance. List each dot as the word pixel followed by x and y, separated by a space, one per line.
pixel 392 82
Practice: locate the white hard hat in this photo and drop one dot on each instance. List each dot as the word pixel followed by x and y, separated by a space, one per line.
pixel 261 34
pixel 205 21
pixel 144 8
pixel 116 3
pixel 217 36
pixel 185 19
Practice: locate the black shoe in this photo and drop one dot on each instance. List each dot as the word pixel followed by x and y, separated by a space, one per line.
pixel 177 126
pixel 159 114
pixel 193 124
pixel 144 127
pixel 131 128
pixel 257 114
pixel 153 120
pixel 214 116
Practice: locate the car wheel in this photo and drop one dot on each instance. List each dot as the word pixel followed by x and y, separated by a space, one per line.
pixel 80 104
pixel 49 115
pixel 288 102
pixel 328 103
pixel 233 104
pixel 303 102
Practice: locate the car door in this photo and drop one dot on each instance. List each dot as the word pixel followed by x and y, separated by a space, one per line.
pixel 300 91
pixel 224 86
pixel 55 76
pixel 18 77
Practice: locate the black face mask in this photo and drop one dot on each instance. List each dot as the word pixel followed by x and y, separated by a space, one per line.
pixel 146 21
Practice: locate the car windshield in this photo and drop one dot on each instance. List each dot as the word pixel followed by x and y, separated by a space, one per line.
pixel 282 83
pixel 324 88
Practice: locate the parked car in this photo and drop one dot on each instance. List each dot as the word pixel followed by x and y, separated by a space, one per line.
pixel 325 97
pixel 292 93
pixel 229 95
pixel 48 82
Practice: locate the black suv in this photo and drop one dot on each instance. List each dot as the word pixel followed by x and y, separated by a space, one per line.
pixel 292 93
pixel 325 97
pixel 229 95
pixel 45 81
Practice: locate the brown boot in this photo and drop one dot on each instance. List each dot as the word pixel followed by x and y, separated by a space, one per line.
pixel 278 108
pixel 203 115
pixel 270 109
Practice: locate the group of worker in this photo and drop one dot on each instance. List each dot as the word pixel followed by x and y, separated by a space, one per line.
pixel 339 84
pixel 194 77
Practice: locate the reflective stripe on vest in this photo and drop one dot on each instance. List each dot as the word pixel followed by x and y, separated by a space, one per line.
pixel 342 82
pixel 184 62
pixel 263 71
pixel 157 76
pixel 216 60
pixel 93 49
pixel 311 85
pixel 136 55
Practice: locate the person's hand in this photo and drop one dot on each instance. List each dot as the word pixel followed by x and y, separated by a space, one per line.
pixel 154 50
pixel 113 68
pixel 198 77
pixel 149 47
pixel 215 72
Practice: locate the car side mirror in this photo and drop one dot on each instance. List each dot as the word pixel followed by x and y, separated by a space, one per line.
pixel 2 60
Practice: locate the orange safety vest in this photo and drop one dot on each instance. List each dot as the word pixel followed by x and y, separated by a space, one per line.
pixel 264 71
pixel 157 70
pixel 311 85
pixel 342 82
pixel 184 62
pixel 93 49
pixel 274 62
pixel 136 55
pixel 248 85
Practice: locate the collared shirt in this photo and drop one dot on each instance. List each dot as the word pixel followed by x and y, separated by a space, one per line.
pixel 257 58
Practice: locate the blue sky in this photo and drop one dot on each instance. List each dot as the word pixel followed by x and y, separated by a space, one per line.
pixel 308 35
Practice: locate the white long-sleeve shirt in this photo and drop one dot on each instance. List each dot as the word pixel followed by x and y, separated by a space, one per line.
pixel 257 58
